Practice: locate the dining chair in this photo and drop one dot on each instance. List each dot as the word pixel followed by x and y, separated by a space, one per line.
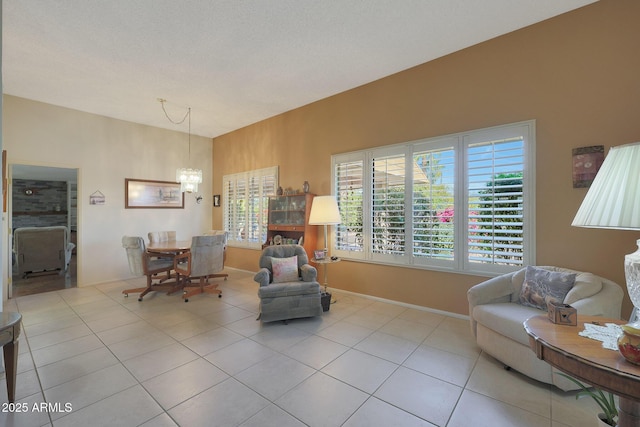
pixel 204 261
pixel 143 263
pixel 163 236
pixel 226 238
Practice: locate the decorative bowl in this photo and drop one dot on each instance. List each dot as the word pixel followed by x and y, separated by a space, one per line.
pixel 629 343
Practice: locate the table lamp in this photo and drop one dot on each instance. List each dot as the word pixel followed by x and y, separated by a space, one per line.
pixel 324 211
pixel 613 201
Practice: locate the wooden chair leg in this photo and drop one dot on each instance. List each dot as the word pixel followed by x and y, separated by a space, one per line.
pixel 203 287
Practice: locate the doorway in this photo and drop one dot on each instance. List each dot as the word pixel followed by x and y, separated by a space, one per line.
pixel 43 197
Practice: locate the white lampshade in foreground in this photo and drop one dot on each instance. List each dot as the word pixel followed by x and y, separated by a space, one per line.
pixel 613 201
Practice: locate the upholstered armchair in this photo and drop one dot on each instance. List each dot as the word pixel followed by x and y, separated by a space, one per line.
pixel 289 287
pixel 42 249
pixel 499 306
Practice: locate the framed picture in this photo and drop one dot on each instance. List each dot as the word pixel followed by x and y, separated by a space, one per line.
pixel 97 198
pixel 216 200
pixel 319 254
pixel 142 193
pixel 586 163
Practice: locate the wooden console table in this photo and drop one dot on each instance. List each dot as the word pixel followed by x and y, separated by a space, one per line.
pixel 9 333
pixel 586 360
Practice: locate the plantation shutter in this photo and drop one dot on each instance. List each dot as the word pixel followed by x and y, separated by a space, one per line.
pixel 245 198
pixel 388 204
pixel 433 205
pixel 269 184
pixel 495 225
pixel 348 176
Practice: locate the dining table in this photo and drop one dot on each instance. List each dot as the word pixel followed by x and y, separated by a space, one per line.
pixel 170 246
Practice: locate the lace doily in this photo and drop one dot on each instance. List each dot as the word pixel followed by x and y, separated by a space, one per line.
pixel 608 334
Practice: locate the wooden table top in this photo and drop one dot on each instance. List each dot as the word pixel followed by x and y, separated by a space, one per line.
pixel 170 246
pixel 582 357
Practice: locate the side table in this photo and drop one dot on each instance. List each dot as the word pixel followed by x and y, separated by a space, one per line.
pixel 324 263
pixel 9 333
pixel 586 359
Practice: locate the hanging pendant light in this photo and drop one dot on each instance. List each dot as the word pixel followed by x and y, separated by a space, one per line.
pixel 188 178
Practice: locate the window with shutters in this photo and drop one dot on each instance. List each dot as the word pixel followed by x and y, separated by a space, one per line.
pixel 461 202
pixel 245 203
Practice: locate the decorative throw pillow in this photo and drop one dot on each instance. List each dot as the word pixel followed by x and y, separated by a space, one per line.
pixel 542 286
pixel 285 269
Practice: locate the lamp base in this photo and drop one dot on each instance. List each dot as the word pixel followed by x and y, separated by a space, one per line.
pixel 632 275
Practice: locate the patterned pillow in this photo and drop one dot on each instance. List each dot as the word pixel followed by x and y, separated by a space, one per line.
pixel 285 269
pixel 543 286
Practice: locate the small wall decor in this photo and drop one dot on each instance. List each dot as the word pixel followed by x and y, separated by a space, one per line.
pixel 97 198
pixel 586 163
pixel 216 200
pixel 142 193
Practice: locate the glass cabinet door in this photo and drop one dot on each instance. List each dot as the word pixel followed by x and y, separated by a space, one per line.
pixel 287 210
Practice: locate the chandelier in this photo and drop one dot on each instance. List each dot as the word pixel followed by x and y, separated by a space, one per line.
pixel 187 177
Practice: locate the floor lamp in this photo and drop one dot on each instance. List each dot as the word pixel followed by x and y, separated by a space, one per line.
pixel 613 201
pixel 324 211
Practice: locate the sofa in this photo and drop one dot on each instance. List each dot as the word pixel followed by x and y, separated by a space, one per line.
pixel 289 288
pixel 499 306
pixel 41 249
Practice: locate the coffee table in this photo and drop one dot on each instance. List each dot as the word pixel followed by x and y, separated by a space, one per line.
pixel 586 360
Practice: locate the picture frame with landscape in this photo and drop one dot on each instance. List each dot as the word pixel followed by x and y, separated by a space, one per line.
pixel 144 193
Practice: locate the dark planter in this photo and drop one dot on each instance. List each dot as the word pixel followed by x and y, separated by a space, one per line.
pixel 325 300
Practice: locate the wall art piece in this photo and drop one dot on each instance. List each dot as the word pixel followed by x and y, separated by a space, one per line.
pixel 97 198
pixel 216 200
pixel 142 193
pixel 586 163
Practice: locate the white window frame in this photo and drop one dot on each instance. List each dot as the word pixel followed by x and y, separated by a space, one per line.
pixel 233 221
pixel 460 143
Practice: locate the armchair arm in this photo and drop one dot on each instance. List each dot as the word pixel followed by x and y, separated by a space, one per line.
pixel 606 303
pixel 262 277
pixel 495 290
pixel 309 273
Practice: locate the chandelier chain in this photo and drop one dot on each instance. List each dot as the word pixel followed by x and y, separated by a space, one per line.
pixel 179 122
pixel 176 122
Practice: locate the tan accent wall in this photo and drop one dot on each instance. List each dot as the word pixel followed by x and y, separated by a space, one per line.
pixel 578 75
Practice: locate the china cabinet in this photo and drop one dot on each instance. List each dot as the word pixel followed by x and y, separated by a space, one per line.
pixel 289 222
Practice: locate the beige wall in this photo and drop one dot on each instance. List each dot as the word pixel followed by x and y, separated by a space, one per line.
pixel 105 151
pixel 577 74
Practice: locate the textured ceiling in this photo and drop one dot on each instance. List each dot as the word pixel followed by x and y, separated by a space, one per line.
pixel 234 62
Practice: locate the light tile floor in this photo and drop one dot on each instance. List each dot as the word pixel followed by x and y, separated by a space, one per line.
pixel 91 357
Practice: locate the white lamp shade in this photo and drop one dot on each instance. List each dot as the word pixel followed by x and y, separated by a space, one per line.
pixel 613 200
pixel 324 210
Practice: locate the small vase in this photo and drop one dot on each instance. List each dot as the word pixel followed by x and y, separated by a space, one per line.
pixel 305 187
pixel 629 346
